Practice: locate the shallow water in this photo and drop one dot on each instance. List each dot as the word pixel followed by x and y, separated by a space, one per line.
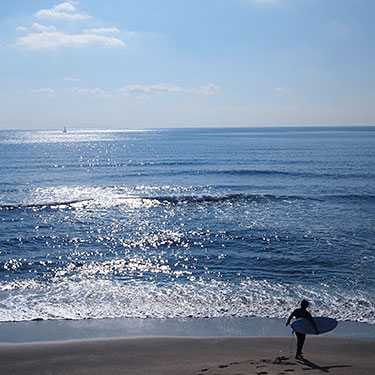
pixel 61 330
pixel 187 223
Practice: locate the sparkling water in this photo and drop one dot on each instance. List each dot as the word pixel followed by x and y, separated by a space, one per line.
pixel 187 223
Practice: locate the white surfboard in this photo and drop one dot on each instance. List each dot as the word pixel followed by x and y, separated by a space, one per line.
pixel 304 325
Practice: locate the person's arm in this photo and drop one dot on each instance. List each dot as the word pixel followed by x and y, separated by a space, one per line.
pixel 290 318
pixel 309 317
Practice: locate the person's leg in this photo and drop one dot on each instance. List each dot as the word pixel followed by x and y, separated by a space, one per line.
pixel 300 341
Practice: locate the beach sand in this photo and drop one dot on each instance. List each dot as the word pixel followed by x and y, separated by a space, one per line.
pixel 193 356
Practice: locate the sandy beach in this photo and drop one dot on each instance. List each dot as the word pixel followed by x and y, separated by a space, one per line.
pixel 193 356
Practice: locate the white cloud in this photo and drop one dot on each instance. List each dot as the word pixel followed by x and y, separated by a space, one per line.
pixel 161 88
pixel 42 36
pixel 36 26
pixel 96 91
pixel 63 11
pixel 282 90
pixel 47 90
pixel 209 89
pixel 136 91
pixel 103 30
pixel 40 27
pixel 68 6
pixel 46 40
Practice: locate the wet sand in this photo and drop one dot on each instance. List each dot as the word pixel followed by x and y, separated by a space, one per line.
pixel 193 356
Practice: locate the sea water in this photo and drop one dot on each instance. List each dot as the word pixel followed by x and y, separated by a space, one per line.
pixel 178 223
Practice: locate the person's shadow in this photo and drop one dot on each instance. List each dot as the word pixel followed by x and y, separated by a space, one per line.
pixel 313 366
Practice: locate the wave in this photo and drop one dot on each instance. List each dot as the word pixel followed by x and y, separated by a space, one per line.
pixel 161 199
pixel 186 199
pixel 352 197
pixel 94 298
pixel 253 172
pixel 290 173
pixel 38 206
pixel 116 200
pixel 218 199
pixel 229 172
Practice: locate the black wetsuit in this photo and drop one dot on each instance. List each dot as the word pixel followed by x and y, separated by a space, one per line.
pixel 301 337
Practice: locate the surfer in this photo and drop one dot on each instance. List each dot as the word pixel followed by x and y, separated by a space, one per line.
pixel 298 314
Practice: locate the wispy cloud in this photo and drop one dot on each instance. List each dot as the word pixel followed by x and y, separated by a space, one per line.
pixel 158 88
pixel 47 91
pixel 283 90
pixel 96 91
pixel 63 11
pixel 162 88
pixel 39 27
pixel 40 36
pixel 48 40
pixel 136 91
pixel 209 89
pixel 103 30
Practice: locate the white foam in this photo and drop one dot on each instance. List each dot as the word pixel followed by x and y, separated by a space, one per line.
pixel 86 295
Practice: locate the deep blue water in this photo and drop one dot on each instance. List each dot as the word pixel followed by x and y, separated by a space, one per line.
pixel 187 222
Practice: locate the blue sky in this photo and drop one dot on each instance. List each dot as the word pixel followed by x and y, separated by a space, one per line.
pixel 172 63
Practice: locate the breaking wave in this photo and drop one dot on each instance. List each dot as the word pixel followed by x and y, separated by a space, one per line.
pixel 162 199
pixel 115 200
pixel 102 298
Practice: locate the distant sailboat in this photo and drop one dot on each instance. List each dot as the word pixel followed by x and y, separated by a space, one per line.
pixel 65 131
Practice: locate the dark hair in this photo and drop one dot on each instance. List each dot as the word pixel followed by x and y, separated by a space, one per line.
pixel 304 304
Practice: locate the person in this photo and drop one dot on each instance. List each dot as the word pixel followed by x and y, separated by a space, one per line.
pixel 301 337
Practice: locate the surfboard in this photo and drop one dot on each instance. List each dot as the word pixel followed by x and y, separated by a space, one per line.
pixel 304 325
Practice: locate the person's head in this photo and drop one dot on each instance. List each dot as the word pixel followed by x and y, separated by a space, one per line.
pixel 304 304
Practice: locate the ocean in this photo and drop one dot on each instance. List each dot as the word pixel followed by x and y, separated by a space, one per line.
pixel 187 223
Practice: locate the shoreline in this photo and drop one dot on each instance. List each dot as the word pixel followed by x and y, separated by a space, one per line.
pixel 189 356
pixel 116 328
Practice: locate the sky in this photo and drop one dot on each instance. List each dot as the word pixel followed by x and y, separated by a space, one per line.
pixel 186 63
